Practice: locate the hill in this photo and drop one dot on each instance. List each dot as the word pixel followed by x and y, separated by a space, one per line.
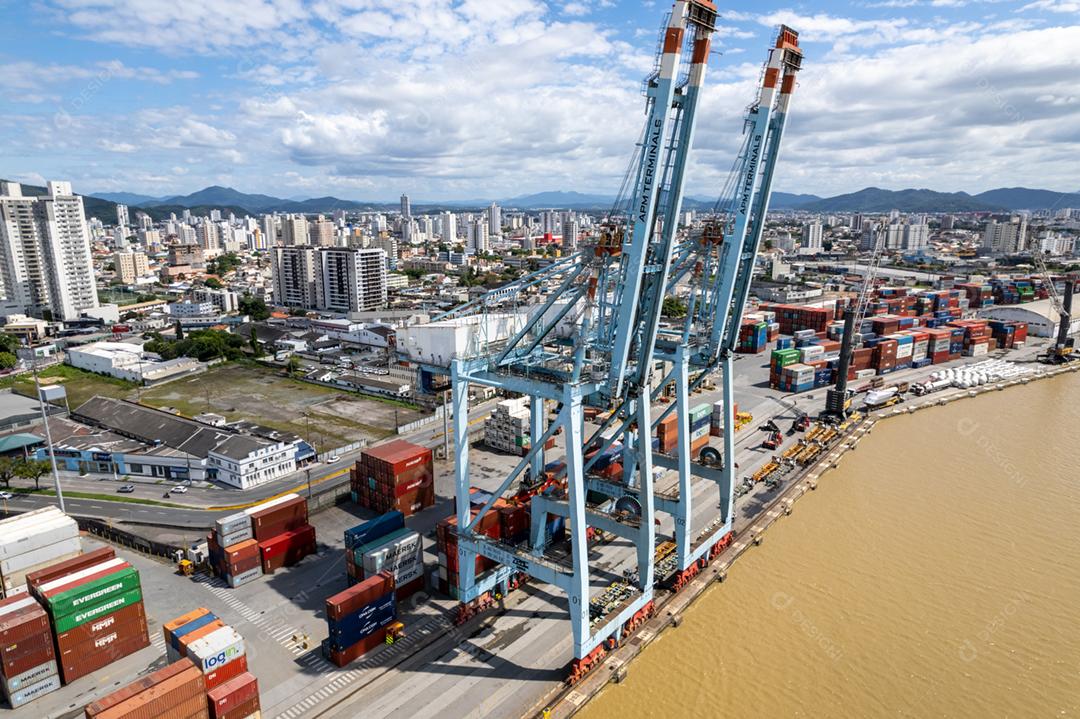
pixel 875 199
pixel 1022 198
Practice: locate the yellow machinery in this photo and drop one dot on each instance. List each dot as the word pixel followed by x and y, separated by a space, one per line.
pixel 762 474
pixel 394 632
pixel 185 567
pixel 742 419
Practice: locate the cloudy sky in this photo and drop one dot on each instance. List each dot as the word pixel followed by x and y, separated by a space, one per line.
pixel 462 99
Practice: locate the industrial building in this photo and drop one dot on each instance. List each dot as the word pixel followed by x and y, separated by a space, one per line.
pixel 129 362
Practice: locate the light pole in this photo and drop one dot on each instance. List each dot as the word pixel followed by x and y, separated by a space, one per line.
pixel 48 436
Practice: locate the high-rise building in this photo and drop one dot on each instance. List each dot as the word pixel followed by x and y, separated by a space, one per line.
pixel 916 234
pixel 389 245
pixel 570 231
pixel 209 236
pixel 1005 237
pixel 406 208
pixel 449 227
pixel 45 262
pixel 478 238
pixel 351 280
pixel 130 266
pixel 122 219
pixel 215 215
pixel 145 221
pixel 269 231
pixel 812 236
pixel 294 230
pixel 293 270
pixel 494 217
pixel 549 222
pixel 321 232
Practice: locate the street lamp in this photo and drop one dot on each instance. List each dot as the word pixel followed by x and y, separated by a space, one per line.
pixel 43 394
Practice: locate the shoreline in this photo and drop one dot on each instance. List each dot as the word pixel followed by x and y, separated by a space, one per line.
pixel 566 701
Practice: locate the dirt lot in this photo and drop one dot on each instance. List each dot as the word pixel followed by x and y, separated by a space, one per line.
pixel 326 417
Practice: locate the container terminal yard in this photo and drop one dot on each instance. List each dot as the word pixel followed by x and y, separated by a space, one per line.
pixel 632 452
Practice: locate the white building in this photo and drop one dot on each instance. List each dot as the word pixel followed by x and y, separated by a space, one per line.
pixel 294 230
pixel 45 262
pixel 129 362
pixel 812 235
pixel 130 266
pixel 293 270
pixel 351 279
pixel 244 462
pixel 1005 237
pixel 406 208
pixel 223 301
pixel 178 310
pixel 494 219
pixel 449 227
pixel 478 238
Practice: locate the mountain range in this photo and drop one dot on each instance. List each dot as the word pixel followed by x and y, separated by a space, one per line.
pixel 871 199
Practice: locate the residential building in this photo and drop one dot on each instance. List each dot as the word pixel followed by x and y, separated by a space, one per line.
pixel 812 235
pixel 294 230
pixel 449 227
pixel 494 218
pixel 1005 237
pixel 406 208
pixel 209 236
pixel 351 279
pixel 223 301
pixel 122 216
pixel 321 232
pixel 187 308
pixel 130 266
pixel 293 274
pixel 45 263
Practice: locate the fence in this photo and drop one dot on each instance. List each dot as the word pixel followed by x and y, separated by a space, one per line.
pixel 114 535
pixel 338 451
pixel 423 421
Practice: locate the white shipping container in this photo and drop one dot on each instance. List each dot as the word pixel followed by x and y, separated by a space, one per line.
pixel 904 351
pixel 15 582
pixel 270 503
pixel 16 606
pixel 30 676
pixel 402 557
pixel 100 567
pixel 43 555
pixel 245 577
pixel 27 518
pixel 216 649
pixel 27 539
pixel 34 691
pixel 232 524
pixel 235 538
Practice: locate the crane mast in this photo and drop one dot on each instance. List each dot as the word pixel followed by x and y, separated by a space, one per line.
pixel 611 295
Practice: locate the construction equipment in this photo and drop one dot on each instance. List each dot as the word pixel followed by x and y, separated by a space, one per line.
pixel 394 632
pixel 186 568
pixel 800 424
pixel 1062 349
pixel 774 440
pixel 838 399
pixel 611 293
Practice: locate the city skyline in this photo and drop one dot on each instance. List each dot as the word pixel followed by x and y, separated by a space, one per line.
pixel 460 100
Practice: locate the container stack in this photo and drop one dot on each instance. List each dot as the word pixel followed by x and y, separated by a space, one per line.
pixel 177 690
pixel 753 336
pixel 281 530
pixel 96 612
pixel 507 429
pixel 234 553
pixel 237 698
pixel 398 475
pixel 780 359
pixel 357 618
pixel 716 419
pixel 792 318
pixel 28 668
pixel 667 434
pixel 31 541
pixel 446 545
pixel 207 641
pixel 386 546
pixel 699 427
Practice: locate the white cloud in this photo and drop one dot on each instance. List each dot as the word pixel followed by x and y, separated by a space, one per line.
pixel 1062 6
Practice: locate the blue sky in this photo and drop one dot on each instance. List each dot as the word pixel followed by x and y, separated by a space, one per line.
pixel 456 99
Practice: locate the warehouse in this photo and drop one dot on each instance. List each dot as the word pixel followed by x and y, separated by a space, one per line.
pixel 1041 318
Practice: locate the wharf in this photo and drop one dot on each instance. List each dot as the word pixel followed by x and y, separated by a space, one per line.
pixel 563 701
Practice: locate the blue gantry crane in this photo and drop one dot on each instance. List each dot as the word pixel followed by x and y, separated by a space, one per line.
pixel 596 340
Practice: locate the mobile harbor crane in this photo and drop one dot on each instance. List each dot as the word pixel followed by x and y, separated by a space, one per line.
pixel 595 341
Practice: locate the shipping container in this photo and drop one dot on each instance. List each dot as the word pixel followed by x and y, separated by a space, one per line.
pixel 352 599
pixel 371 530
pixel 175 692
pixel 30 692
pixel 102 651
pixel 217 649
pixel 232 695
pixel 217 677
pixel 113 604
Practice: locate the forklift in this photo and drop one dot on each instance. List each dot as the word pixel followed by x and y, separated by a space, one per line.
pixel 775 438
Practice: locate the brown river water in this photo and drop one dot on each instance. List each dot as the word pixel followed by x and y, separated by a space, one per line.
pixel 935 573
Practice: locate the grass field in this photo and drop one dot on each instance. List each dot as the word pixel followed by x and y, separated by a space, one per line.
pixel 80 385
pixel 324 416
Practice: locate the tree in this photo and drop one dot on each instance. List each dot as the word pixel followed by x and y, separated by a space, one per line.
pixel 213 283
pixel 179 332
pixel 293 365
pixel 254 307
pixel 33 469
pixel 8 360
pixel 8 342
pixel 256 348
pixel 674 308
pixel 8 467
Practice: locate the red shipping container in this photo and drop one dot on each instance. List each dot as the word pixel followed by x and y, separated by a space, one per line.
pixel 22 624
pixel 225 672
pixel 397 455
pixel 247 710
pixel 367 591
pixel 27 654
pixel 101 653
pixel 132 614
pixel 244 550
pixel 232 694
pixel 179 696
pixel 365 645
pixel 141 685
pixel 69 566
pixel 284 516
pixel 243 565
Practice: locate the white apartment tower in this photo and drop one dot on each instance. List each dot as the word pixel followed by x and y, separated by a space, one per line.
pixel 293 272
pixel 494 220
pixel 406 207
pixel 294 230
pixel 45 260
pixel 449 227
pixel 351 280
pixel 122 217
pixel 811 237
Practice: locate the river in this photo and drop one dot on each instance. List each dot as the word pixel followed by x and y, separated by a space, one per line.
pixel 935 573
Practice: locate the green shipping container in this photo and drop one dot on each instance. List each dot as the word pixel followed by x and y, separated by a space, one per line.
pixel 702 410
pixel 94 593
pixel 89 614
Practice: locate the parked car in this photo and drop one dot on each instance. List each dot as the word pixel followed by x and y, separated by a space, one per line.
pixel 126 489
pixel 332 458
pixel 178 489
pixel 5 496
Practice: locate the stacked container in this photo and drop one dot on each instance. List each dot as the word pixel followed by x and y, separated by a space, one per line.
pixel 716 419
pixel 446 544
pixel 753 336
pixel 792 318
pixel 184 638
pixel 96 612
pixel 280 527
pixel 667 434
pixel 780 359
pixel 234 553
pixel 177 691
pixel 31 541
pixel 507 429
pixel 699 427
pixel 28 668
pixel 237 698
pixel 357 618
pixel 397 476
pixel 399 553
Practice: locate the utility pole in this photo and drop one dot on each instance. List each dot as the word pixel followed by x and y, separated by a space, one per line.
pixel 48 437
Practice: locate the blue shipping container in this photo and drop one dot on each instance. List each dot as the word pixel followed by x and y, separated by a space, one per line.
pixel 362 623
pixel 190 627
pixel 373 529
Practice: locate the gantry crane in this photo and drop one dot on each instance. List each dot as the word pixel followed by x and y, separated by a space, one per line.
pixel 610 294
